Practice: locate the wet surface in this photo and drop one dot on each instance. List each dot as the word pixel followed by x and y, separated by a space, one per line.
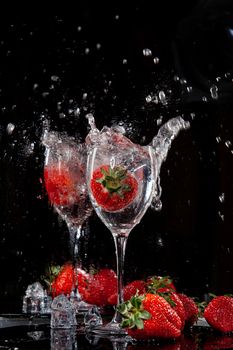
pixel 37 334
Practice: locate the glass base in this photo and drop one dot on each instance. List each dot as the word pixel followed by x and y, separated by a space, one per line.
pixel 109 330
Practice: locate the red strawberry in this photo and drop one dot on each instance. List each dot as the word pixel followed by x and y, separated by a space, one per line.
pixel 83 280
pixel 113 188
pixel 100 287
pixel 129 290
pixel 159 284
pixel 60 185
pixel 219 313
pixel 191 309
pixel 64 281
pixel 150 316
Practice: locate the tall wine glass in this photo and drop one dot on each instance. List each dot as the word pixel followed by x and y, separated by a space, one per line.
pixel 121 181
pixel 65 182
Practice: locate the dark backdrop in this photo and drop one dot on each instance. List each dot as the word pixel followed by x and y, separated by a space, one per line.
pixel 113 60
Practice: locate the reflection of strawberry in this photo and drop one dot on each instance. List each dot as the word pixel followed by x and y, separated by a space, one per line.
pixel 191 309
pixel 100 287
pixel 129 290
pixel 59 185
pixel 64 281
pixel 150 316
pixel 219 313
pixel 113 188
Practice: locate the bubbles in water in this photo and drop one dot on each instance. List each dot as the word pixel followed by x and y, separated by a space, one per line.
pixel 214 92
pixel 10 128
pixel 87 50
pixel 218 139
pixel 147 52
pixel 79 28
pixel 117 17
pixel 189 88
pixel 98 46
pixel 124 61
pixel 156 60
pixel 77 112
pixel 84 96
pixel 204 99
pixel 183 81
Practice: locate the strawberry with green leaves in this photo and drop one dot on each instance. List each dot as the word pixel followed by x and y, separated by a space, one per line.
pixel 219 313
pixel 150 316
pixel 113 188
pixel 64 281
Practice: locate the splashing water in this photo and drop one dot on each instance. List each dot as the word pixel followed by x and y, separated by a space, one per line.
pixel 160 144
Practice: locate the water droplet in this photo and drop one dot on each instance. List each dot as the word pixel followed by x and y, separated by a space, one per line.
pixel 84 96
pixel 189 88
pixel 218 79
pixel 35 86
pixel 204 99
pixel 98 46
pixel 117 17
pixel 183 81
pixel 176 78
pixel 147 52
pixel 228 144
pixel 221 216
pixel 162 97
pixel 79 28
pixel 218 139
pixel 192 115
pixel 124 61
pixel 87 50
pixel 214 92
pixel 54 78
pixel 156 60
pixel 148 98
pixel 77 112
pixel 222 197
pixel 159 120
pixel 10 128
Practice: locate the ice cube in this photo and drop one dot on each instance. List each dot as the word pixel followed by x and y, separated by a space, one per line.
pixel 34 298
pixel 62 313
pixel 93 318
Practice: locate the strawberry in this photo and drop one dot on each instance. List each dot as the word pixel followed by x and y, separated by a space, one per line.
pixel 150 316
pixel 191 309
pixel 100 287
pixel 219 313
pixel 60 185
pixel 129 290
pixel 113 188
pixel 159 284
pixel 64 281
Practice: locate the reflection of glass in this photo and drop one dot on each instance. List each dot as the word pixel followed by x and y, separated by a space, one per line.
pixel 121 180
pixel 65 182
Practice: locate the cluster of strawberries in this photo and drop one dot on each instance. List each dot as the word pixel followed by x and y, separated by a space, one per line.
pixel 152 308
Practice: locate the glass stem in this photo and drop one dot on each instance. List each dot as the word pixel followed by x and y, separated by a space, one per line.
pixel 75 233
pixel 120 245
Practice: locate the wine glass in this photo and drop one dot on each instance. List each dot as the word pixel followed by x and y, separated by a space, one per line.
pixel 121 181
pixel 65 182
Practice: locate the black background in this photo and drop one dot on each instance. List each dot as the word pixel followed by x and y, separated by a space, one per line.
pixel 92 59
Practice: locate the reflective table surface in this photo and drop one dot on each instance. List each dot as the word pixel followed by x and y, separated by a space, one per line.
pixel 33 332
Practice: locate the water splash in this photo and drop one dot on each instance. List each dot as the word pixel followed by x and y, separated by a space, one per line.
pixel 161 144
